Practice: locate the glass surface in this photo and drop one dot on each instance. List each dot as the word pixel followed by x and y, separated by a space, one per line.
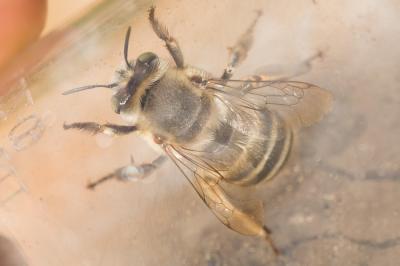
pixel 335 203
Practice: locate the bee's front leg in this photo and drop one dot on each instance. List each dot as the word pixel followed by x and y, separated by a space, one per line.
pixel 238 53
pixel 132 172
pixel 95 128
pixel 162 32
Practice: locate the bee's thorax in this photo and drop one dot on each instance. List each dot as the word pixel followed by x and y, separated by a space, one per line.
pixel 174 108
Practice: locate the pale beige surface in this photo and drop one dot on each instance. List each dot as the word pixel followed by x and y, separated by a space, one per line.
pixel 338 204
pixel 59 12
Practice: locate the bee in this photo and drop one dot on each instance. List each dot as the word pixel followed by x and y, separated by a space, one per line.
pixel 223 134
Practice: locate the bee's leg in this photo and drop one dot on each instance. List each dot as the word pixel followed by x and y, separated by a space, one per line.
pixel 238 53
pixel 95 128
pixel 132 172
pixel 279 73
pixel 287 72
pixel 170 42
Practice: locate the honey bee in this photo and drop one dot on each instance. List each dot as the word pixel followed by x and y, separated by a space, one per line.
pixel 223 134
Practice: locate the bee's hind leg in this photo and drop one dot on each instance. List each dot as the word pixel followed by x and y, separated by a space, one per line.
pixel 279 72
pixel 238 53
pixel 286 72
pixel 132 172
pixel 162 32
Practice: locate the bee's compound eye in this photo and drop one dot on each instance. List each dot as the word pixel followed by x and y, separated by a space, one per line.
pixel 147 58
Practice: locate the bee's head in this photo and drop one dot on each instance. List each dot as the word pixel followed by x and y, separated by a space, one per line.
pixel 136 75
pixel 145 72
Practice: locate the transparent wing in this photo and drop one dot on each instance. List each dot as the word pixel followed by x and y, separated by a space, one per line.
pixel 242 216
pixel 299 103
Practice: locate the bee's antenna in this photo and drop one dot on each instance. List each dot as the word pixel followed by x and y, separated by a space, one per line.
pixel 109 86
pixel 126 46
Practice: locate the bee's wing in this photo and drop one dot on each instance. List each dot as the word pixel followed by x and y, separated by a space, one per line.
pixel 242 216
pixel 300 103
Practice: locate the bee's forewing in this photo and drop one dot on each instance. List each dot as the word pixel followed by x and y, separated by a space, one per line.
pixel 301 104
pixel 242 216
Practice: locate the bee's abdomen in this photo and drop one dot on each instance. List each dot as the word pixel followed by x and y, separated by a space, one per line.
pixel 265 152
pixel 277 144
pixel 251 151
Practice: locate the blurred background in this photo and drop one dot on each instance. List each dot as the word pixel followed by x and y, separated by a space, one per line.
pixel 61 12
pixel 23 21
pixel 336 203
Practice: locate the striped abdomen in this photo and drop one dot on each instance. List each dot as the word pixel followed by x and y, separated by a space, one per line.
pixel 247 146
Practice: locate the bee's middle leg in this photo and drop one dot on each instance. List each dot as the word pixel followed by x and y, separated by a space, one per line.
pixel 172 45
pixel 238 53
pixel 95 128
pixel 132 172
